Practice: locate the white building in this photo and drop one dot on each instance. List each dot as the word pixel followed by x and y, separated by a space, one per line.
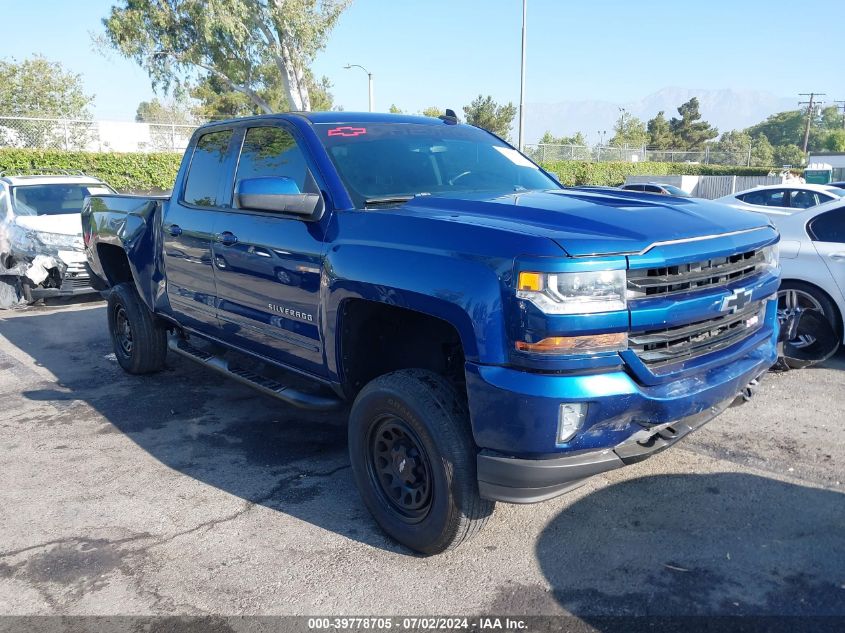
pixel 834 159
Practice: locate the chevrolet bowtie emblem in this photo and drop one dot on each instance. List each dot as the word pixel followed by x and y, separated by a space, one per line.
pixel 736 301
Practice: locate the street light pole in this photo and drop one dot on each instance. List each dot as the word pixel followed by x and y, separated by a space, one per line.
pixel 369 81
pixel 522 81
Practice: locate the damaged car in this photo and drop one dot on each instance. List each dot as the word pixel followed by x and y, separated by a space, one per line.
pixel 41 248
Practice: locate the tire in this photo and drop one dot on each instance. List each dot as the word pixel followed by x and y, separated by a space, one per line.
pixel 139 344
pixel 809 297
pixel 409 434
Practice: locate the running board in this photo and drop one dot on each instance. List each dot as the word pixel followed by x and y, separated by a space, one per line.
pixel 265 385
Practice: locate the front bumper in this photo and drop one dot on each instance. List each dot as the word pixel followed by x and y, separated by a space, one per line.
pixel 77 281
pixel 514 416
pixel 516 480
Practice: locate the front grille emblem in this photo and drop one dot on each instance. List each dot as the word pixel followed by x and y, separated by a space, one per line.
pixel 736 301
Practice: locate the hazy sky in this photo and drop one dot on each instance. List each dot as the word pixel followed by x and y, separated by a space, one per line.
pixel 445 52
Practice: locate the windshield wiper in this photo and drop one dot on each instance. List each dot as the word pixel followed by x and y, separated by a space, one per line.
pixel 387 200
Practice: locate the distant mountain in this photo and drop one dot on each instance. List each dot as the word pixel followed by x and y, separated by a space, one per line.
pixel 726 109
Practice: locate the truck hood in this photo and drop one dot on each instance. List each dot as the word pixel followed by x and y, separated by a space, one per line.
pixel 591 223
pixel 65 224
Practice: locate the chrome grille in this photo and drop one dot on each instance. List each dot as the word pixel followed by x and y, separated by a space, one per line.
pixel 76 277
pixel 657 348
pixel 718 271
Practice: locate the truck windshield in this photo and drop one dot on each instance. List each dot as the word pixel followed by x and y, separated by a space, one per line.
pixel 53 199
pixel 388 163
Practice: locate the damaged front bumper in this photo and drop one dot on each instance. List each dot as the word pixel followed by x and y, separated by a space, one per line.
pixel 30 268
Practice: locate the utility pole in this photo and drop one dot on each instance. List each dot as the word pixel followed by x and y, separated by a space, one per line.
pixel 809 103
pixel 841 104
pixel 522 81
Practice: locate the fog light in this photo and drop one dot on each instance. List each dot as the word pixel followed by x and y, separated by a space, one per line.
pixel 569 420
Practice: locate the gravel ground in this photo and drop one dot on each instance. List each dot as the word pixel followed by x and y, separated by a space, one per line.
pixel 184 493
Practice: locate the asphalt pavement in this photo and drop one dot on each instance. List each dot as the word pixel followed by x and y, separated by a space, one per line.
pixel 185 493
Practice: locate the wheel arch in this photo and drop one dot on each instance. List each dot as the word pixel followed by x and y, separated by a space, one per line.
pixel 374 338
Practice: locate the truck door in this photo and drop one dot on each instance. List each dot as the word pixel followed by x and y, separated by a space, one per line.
pixel 267 265
pixel 188 228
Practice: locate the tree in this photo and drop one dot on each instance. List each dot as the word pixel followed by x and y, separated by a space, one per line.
pixel 394 109
pixel 432 111
pixel 485 113
pixel 689 131
pixel 215 100
pixel 549 139
pixel 762 152
pixel 170 123
pixel 37 87
pixel 238 42
pixel 173 112
pixel 629 131
pixel 783 128
pixel 788 155
pixel 659 133
pixel 40 88
pixel 835 141
pixel 733 148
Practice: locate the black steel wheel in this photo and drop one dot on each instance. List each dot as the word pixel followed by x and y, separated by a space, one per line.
pixel 140 345
pixel 122 330
pixel 400 468
pixel 414 460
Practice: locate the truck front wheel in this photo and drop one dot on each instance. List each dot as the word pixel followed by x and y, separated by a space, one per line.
pixel 139 344
pixel 413 459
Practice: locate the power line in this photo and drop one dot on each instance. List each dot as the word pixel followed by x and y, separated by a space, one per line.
pixel 809 103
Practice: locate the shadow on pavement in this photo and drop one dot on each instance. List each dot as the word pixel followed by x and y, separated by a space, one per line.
pixel 723 544
pixel 837 361
pixel 202 425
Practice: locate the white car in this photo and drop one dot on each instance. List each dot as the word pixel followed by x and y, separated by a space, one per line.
pixel 812 259
pixel 41 233
pixel 784 199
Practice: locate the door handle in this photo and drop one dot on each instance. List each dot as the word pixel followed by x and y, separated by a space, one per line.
pixel 227 238
pixel 837 257
pixel 175 230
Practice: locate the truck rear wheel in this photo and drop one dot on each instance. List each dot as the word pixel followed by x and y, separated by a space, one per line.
pixel 413 459
pixel 139 345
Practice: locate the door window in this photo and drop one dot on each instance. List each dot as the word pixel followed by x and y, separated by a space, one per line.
pixel 207 170
pixel 765 197
pixel 272 151
pixel 802 199
pixel 829 227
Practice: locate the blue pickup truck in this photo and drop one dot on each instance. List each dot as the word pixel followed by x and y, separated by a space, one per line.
pixel 496 336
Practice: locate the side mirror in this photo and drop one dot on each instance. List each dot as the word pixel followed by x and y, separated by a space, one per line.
pixel 279 195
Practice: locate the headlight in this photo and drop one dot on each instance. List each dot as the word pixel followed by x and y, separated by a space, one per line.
pixel 771 256
pixel 574 293
pixel 59 240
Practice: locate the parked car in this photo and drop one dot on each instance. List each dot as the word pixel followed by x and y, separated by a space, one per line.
pixel 42 254
pixel 785 198
pixel 839 184
pixel 654 187
pixel 812 256
pixel 499 337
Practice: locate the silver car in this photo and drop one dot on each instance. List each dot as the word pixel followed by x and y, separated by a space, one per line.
pixel 41 248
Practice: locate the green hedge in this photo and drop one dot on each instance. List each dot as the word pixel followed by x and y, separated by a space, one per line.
pixel 135 172
pixel 141 172
pixel 613 174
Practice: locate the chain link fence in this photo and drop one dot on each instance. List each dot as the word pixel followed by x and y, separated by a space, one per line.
pixel 543 153
pixel 93 136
